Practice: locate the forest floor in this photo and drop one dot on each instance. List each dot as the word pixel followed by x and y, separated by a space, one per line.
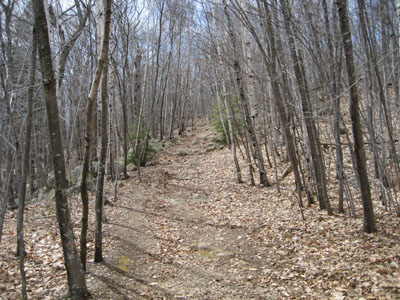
pixel 187 230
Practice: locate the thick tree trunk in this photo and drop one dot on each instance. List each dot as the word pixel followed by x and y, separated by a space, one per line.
pixel 75 270
pixel 360 159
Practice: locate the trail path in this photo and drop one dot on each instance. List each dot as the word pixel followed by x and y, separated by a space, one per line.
pixel 170 243
pixel 188 231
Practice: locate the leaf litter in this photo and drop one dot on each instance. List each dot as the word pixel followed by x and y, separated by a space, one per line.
pixel 186 230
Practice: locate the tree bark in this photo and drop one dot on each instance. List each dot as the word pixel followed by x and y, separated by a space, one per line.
pixel 25 168
pixel 89 130
pixel 315 146
pixel 244 100
pixel 226 105
pixel 75 270
pixel 359 152
pixel 99 202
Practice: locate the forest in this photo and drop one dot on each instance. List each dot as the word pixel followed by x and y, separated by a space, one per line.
pixel 158 136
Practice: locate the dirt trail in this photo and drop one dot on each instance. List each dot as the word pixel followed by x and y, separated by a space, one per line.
pixel 188 231
pixel 166 247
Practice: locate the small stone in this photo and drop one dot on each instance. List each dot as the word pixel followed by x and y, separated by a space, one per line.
pixel 131 167
pixel 203 245
pixel 225 254
pixel 183 152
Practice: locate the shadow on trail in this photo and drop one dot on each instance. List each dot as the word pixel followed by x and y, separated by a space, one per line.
pixel 128 285
pixel 136 254
pixel 143 233
pixel 174 217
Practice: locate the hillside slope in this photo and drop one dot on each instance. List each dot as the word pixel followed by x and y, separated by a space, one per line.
pixel 186 230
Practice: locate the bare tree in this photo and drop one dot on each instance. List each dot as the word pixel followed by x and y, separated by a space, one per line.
pixel 75 270
pixel 245 103
pixel 359 152
pixel 104 7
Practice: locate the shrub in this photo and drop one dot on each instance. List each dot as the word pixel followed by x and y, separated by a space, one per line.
pixel 218 124
pixel 145 150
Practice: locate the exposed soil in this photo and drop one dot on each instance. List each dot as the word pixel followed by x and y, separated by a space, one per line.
pixel 187 230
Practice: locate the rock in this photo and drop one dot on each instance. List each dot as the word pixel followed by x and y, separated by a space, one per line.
pixel 199 198
pixel 91 185
pixel 210 147
pixel 40 195
pixel 74 189
pixel 118 165
pixel 76 174
pixel 225 254
pixel 50 195
pixel 195 142
pixel 131 167
pixel 94 168
pixel 50 179
pixel 177 200
pixel 36 184
pixel 204 246
pixel 183 152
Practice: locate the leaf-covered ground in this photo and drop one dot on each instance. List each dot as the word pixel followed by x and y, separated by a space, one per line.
pixel 186 230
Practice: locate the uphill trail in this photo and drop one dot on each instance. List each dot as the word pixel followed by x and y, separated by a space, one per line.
pixel 187 230
pixel 169 240
pixel 175 230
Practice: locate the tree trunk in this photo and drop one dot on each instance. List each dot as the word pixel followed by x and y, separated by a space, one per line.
pixel 244 100
pixel 227 106
pixel 89 129
pixel 360 162
pixel 75 270
pixel 25 167
pixel 270 61
pixel 99 202
pixel 315 147
pixel 251 78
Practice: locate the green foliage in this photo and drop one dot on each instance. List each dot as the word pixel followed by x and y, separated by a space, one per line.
pixel 145 150
pixel 219 124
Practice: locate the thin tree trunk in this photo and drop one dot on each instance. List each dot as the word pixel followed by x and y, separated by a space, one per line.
pixel 270 62
pixel 227 107
pixel 25 168
pixel 251 77
pixel 243 98
pixel 99 202
pixel 315 147
pixel 89 130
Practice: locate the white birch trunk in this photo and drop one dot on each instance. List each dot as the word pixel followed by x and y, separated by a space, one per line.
pixel 250 76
